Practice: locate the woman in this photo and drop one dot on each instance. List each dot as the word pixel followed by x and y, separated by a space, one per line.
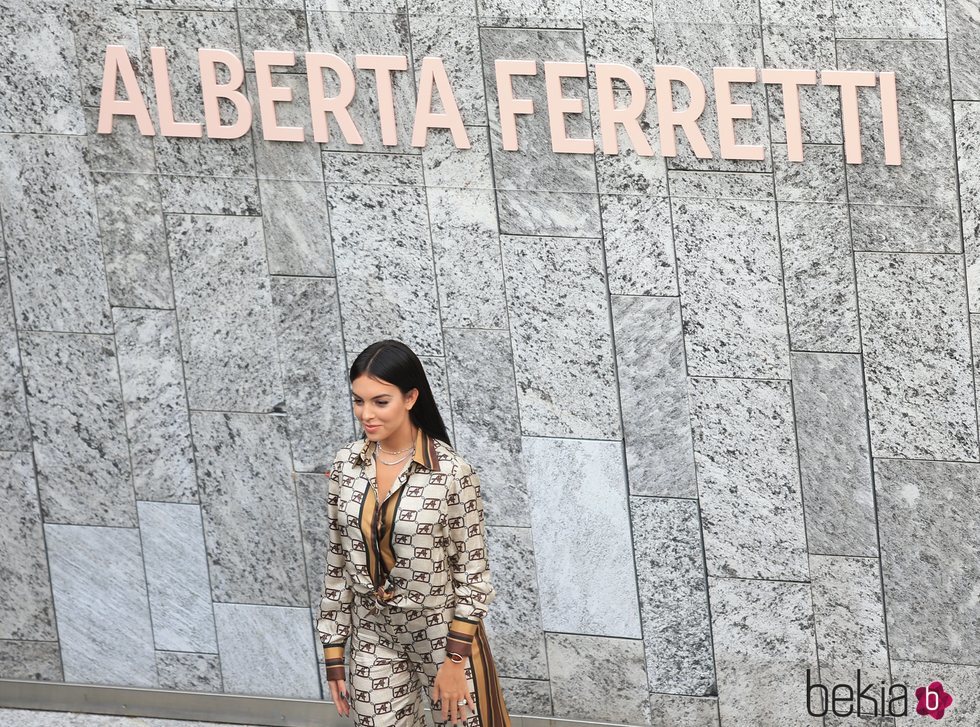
pixel 407 579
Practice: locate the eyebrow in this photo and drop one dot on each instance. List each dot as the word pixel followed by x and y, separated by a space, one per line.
pixel 373 397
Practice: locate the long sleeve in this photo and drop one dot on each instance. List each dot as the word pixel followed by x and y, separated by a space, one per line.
pixel 337 596
pixel 469 564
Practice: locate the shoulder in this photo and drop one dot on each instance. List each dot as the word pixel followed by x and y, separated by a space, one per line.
pixel 452 462
pixel 346 455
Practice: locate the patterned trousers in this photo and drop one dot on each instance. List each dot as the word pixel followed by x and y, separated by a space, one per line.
pixel 394 656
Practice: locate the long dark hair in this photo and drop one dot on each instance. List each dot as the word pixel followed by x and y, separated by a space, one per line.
pixel 395 363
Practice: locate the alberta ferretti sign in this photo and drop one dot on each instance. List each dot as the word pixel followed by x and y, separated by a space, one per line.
pixel 434 80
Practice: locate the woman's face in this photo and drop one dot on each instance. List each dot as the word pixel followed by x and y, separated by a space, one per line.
pixel 380 407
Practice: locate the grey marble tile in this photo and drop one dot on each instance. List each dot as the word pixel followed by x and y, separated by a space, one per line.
pixel 626 171
pixel 639 244
pixel 517 14
pixel 580 525
pixel 975 326
pixel 801 40
pixel 796 12
pixel 101 605
pixel 51 231
pixel 874 19
pixel 917 367
pixel 185 194
pixel 177 577
pixel 387 287
pixel 225 311
pixel 314 374
pixel 678 710
pixel 835 457
pixel 311 496
pixel 728 265
pixel 962 681
pixel 453 37
pixel 534 166
pixel 632 10
pixel 621 38
pixel 96 24
pixel 480 368
pixel 134 240
pixel 653 391
pixel 462 8
pixel 927 175
pixel 80 447
pixel 818 277
pixel 764 644
pixel 927 523
pixel 563 354
pixel 265 25
pixel 245 477
pixel 850 624
pixel 205 157
pixel 968 163
pixel 557 214
pixel 37 660
pixel 292 160
pixel 15 426
pixel 526 696
pixel 189 672
pixel 267 650
pixel 124 150
pixel 380 31
pixel 26 608
pixel 701 46
pixel 157 423
pixel 514 619
pixel 889 228
pixel 48 101
pixel 466 251
pixel 389 7
pixel 446 166
pixel 297 227
pixel 387 168
pixel 735 12
pixel 670 576
pixel 721 185
pixel 748 478
pixel 818 178
pixel 597 678
pixel 963 38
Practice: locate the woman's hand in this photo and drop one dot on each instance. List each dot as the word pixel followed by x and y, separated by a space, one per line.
pixel 450 688
pixel 338 690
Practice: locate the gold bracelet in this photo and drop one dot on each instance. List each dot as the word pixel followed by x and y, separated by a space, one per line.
pixel 456 658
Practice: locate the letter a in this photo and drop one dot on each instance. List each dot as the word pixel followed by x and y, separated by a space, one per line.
pixel 433 73
pixel 117 65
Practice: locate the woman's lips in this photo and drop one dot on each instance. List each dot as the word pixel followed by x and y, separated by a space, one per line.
pixel 369 428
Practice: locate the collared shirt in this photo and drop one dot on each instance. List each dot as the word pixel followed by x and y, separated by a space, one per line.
pixel 422 547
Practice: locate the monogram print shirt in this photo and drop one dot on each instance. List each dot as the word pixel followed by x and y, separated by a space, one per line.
pixel 422 547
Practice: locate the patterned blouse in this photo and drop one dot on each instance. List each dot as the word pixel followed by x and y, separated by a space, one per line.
pixel 420 548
